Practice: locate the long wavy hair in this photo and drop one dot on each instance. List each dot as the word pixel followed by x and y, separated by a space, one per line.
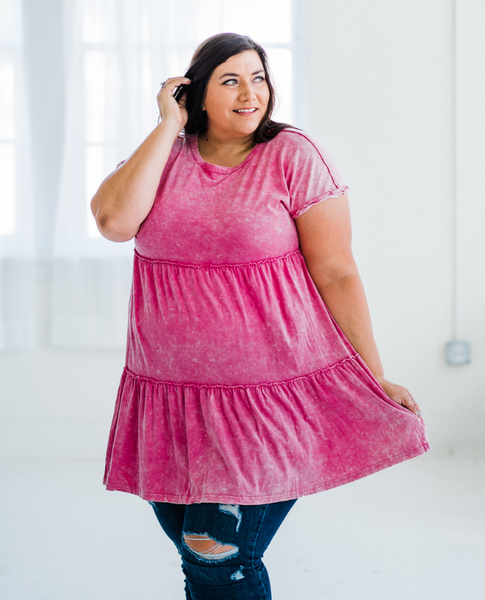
pixel 210 54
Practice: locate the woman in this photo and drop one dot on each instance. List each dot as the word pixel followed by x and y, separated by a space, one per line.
pixel 252 375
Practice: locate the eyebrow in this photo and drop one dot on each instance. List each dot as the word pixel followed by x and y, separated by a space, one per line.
pixel 236 74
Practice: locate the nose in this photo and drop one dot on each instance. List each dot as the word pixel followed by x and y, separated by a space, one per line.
pixel 246 92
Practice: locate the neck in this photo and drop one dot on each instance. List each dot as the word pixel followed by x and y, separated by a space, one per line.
pixel 228 152
pixel 212 143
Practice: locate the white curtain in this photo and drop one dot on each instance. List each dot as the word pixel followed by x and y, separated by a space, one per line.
pixel 17 244
pixel 116 54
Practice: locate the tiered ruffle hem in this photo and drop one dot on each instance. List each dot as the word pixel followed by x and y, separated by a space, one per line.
pixel 240 388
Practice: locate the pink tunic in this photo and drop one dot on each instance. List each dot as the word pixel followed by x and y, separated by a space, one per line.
pixel 239 386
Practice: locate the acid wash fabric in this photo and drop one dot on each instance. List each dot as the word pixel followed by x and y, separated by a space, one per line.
pixel 239 386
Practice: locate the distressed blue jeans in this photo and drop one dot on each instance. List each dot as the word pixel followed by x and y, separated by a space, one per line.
pixel 222 545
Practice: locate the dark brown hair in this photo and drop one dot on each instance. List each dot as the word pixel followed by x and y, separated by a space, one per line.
pixel 210 54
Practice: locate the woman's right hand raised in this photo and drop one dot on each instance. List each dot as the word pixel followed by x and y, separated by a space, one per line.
pixel 170 109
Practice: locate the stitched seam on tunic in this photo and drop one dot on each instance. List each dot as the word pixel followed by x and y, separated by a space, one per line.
pixel 319 153
pixel 325 196
pixel 223 265
pixel 241 386
pixel 338 190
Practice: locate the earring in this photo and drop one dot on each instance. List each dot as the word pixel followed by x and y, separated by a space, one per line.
pixel 202 107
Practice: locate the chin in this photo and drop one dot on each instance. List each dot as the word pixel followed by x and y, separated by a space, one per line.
pixel 248 130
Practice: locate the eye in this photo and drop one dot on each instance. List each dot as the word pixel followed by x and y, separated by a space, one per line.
pixel 231 81
pixel 259 78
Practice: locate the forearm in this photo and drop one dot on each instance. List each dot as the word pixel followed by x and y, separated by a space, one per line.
pixel 125 198
pixel 346 301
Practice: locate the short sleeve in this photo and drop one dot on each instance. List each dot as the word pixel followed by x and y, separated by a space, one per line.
pixel 311 174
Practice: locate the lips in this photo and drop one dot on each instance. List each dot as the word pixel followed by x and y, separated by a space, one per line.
pixel 245 111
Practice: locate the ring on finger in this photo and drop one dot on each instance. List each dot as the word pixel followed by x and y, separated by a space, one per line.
pixel 163 84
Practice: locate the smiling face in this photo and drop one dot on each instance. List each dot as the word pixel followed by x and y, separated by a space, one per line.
pixel 237 96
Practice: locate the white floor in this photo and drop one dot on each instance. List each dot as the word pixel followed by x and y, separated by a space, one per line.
pixel 416 531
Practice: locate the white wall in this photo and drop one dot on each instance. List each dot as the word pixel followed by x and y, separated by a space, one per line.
pixel 381 90
pixel 380 83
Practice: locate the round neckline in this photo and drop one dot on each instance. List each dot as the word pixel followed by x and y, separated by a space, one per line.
pixel 194 145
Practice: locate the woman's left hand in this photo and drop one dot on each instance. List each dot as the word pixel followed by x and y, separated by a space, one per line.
pixel 401 395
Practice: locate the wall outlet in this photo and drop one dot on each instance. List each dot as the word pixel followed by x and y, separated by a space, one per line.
pixel 458 353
